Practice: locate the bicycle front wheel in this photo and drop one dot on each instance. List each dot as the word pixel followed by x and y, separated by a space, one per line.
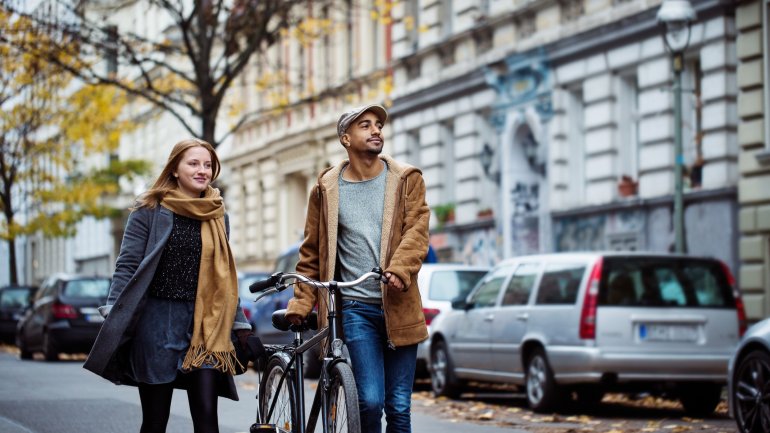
pixel 278 396
pixel 342 401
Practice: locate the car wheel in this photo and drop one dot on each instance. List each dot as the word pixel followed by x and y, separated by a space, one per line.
pixel 751 393
pixel 49 348
pixel 700 399
pixel 442 376
pixel 543 395
pixel 24 352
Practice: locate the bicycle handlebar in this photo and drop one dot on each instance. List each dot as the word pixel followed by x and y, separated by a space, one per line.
pixel 275 284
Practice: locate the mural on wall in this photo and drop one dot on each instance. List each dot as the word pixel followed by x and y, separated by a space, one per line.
pixel 616 230
pixel 481 247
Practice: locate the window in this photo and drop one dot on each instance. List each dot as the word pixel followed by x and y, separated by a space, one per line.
pixel 664 282
pixel 521 284
pixel 16 297
pixel 412 24
pixel 448 154
pixel 628 127
pixel 87 288
pixel 692 119
pixel 446 18
pixel 766 69
pixel 486 294
pixel 448 285
pixel 560 283
pixel 576 150
pixel 571 10
pixel 526 25
pixel 412 151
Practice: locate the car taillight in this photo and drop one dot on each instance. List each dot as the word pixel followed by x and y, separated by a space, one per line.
pixel 430 314
pixel 739 307
pixel 247 313
pixel 588 313
pixel 63 311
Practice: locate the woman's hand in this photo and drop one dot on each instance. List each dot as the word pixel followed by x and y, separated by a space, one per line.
pixel 295 319
pixel 243 335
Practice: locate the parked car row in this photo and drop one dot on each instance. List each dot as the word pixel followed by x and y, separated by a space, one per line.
pixel 558 326
pixel 584 324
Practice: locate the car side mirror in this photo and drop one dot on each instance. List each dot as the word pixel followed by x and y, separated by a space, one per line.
pixel 460 303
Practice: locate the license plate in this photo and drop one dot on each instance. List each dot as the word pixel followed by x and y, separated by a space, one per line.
pixel 667 332
pixel 94 318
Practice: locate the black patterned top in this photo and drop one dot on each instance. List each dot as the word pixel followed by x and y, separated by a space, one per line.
pixel 176 277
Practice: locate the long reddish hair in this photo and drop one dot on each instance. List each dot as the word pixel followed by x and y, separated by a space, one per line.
pixel 166 180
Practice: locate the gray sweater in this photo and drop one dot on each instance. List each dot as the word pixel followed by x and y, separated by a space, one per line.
pixel 360 231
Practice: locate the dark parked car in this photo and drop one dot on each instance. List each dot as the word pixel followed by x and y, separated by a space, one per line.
pixel 14 300
pixel 245 279
pixel 63 317
pixel 748 387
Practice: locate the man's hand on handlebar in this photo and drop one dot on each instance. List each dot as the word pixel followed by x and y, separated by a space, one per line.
pixel 392 281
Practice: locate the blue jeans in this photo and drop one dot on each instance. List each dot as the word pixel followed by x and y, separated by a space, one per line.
pixel 384 376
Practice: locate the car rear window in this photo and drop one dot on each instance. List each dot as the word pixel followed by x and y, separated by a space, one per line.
pixel 93 288
pixel 15 298
pixel 560 283
pixel 656 282
pixel 448 285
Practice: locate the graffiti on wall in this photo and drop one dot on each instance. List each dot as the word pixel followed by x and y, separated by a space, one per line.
pixel 598 232
pixel 481 247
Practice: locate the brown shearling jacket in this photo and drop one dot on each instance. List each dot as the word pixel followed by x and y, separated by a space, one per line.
pixel 404 246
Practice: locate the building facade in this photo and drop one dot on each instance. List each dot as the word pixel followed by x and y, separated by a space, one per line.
pixel 558 117
pixel 751 19
pixel 301 86
pixel 613 129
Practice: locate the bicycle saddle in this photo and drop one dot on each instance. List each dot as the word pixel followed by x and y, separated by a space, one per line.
pixel 280 323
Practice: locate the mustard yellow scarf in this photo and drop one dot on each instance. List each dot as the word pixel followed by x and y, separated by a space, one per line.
pixel 217 296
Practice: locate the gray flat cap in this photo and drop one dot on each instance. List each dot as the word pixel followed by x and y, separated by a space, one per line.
pixel 349 116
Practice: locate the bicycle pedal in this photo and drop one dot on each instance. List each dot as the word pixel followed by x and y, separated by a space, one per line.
pixel 266 428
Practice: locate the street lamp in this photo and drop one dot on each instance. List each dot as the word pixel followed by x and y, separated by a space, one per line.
pixel 675 16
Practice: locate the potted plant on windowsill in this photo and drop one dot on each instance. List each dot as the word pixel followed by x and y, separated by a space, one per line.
pixel 445 213
pixel 485 213
pixel 627 187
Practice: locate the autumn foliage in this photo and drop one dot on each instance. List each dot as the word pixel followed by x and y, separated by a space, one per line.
pixel 56 135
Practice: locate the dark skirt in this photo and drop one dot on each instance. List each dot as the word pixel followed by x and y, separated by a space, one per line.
pixel 161 340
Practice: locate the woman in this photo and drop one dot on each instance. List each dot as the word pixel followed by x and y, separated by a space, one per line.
pixel 173 303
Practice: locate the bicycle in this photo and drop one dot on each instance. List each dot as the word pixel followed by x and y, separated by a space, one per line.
pixel 281 396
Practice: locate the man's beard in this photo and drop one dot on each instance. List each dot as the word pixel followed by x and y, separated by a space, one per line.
pixel 376 151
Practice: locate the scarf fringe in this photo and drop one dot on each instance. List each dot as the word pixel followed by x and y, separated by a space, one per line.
pixel 223 361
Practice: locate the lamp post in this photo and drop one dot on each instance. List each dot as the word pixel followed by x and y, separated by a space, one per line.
pixel 675 16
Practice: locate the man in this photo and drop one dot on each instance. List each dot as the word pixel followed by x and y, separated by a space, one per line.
pixel 370 211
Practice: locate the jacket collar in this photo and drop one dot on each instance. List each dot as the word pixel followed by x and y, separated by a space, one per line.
pixel 328 178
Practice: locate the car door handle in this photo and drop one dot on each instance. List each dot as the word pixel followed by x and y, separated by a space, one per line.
pixel 523 317
pixel 489 317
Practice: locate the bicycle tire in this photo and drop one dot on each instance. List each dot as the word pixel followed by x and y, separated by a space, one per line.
pixel 284 415
pixel 342 401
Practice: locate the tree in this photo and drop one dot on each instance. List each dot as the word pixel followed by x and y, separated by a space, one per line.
pixel 190 67
pixel 49 127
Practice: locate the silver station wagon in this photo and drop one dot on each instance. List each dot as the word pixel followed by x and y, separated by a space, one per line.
pixel 587 323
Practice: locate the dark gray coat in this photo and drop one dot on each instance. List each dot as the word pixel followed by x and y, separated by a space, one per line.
pixel 147 232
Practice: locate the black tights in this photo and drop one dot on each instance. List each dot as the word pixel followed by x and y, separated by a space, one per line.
pixel 201 394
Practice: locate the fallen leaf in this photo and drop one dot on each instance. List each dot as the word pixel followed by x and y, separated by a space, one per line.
pixel 486 416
